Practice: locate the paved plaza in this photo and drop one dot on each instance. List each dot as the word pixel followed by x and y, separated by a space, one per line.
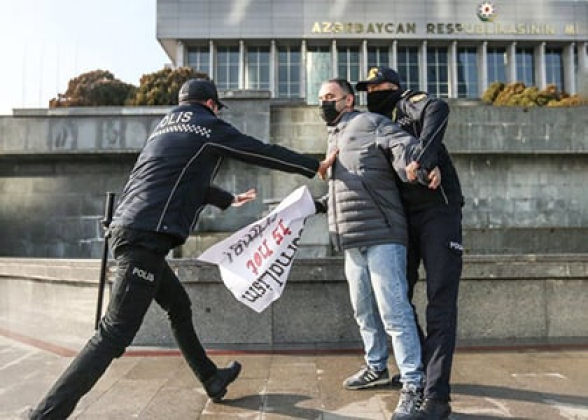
pixel 530 382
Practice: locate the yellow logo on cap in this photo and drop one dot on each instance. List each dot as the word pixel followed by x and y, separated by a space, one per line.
pixel 373 73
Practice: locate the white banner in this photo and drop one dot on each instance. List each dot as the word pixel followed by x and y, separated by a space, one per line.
pixel 255 262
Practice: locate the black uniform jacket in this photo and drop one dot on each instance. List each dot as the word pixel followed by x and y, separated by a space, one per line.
pixel 426 117
pixel 171 181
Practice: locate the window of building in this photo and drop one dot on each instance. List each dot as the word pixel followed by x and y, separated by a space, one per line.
pixel 289 72
pixel 378 56
pixel 554 67
pixel 199 59
pixel 318 69
pixel 258 68
pixel 437 72
pixel 227 68
pixel 467 73
pixel 525 66
pixel 408 67
pixel 348 64
pixel 496 64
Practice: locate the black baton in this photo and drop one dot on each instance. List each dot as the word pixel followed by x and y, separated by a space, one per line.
pixel 106 223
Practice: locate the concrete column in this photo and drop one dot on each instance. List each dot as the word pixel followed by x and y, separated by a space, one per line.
pixel 212 65
pixel 569 78
pixel 303 75
pixel 180 54
pixel 363 60
pixel 582 57
pixel 540 70
pixel 483 67
pixel 394 55
pixel 272 69
pixel 361 97
pixel 511 63
pixel 583 70
pixel 334 67
pixel 242 65
pixel 423 65
pixel 452 70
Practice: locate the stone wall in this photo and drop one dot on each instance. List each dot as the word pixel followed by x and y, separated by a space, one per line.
pixel 522 171
pixel 502 298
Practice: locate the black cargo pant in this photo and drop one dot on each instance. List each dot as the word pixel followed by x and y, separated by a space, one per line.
pixel 142 275
pixel 435 238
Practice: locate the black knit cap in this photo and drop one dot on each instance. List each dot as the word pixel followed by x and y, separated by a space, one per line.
pixel 199 90
pixel 378 75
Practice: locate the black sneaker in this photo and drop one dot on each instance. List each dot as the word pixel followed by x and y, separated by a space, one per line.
pixel 411 398
pixel 367 378
pixel 433 410
pixel 216 387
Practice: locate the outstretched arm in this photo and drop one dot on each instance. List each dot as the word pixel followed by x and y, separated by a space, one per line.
pixel 228 141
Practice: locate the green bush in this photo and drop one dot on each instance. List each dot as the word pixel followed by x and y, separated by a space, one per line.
pixel 489 96
pixel 517 94
pixel 162 87
pixel 94 88
pixel 101 88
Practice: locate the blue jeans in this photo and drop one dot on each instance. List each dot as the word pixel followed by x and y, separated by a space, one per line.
pixel 378 291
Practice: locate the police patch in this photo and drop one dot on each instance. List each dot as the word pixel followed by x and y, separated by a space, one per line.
pixel 417 98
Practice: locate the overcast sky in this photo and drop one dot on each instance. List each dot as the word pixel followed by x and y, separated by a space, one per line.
pixel 45 43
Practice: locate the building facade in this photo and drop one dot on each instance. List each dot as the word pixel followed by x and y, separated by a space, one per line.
pixel 451 48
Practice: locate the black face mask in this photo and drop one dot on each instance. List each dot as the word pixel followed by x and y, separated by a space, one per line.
pixel 383 101
pixel 328 111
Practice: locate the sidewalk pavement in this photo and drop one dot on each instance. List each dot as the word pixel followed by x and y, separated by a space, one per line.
pixel 530 382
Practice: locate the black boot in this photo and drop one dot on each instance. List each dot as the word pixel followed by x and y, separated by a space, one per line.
pixel 433 410
pixel 216 387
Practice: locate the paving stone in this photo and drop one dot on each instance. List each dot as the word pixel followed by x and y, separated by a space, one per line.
pixel 523 383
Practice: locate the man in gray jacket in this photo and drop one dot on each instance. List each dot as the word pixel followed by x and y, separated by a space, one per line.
pixel 367 222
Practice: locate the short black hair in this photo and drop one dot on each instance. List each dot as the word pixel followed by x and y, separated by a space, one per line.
pixel 344 85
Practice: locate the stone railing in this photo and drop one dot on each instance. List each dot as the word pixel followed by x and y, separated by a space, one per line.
pixel 504 298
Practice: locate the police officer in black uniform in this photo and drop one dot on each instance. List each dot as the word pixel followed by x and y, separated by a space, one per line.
pixel 168 187
pixel 434 217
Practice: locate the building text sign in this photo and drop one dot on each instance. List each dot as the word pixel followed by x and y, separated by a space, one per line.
pixel 444 28
pixel 486 24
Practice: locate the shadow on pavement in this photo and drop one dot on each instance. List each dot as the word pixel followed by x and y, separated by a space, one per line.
pixel 283 404
pixel 506 393
pixel 458 416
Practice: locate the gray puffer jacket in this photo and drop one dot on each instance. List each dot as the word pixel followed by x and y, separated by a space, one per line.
pixel 364 204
